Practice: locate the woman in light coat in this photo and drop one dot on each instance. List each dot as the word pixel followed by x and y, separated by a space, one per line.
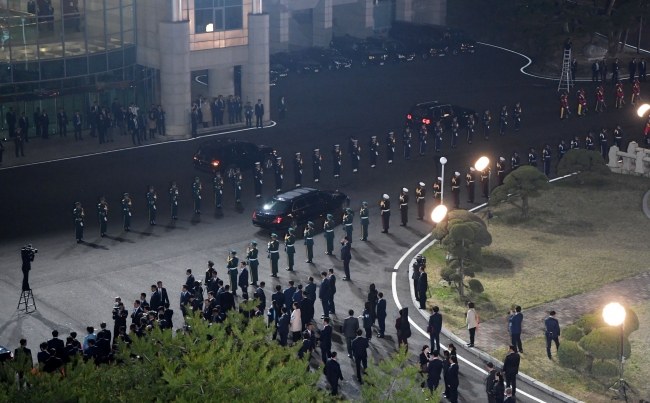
pixel 472 323
pixel 207 114
pixel 296 323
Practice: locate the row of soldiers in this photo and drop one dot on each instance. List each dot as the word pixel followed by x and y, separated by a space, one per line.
pixel 600 105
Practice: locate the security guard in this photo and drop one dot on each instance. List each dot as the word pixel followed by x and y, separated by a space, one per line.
pixel 126 211
pixel 404 207
pixel 317 162
pixel 575 143
pixel 253 263
pixel 546 157
pixel 364 215
pixel 437 190
pixel 279 174
pixel 336 160
pixel 604 147
pixel 348 219
pixel 501 171
pixel 173 200
pixel 152 198
pixel 561 149
pixel 486 124
pixel 470 128
pixel 503 120
pixel 355 155
pixel 236 184
pixel 485 182
pixel 589 141
pixel 420 200
pixel 309 241
pixel 78 214
pixel 196 195
pixel 102 216
pixel 469 184
pixel 297 170
pixel 455 189
pixel 516 116
pixel 532 157
pixel 390 147
pixel 328 233
pixel 437 133
pixel 208 273
pixel 258 179
pixel 618 136
pixel 454 132
pixel 406 143
pixel 218 189
pixel 422 139
pixel 384 208
pixel 373 148
pixel 232 262
pixel 290 248
pixel 515 161
pixel 274 254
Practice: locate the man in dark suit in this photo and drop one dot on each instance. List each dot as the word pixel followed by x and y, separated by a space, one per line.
pixel 310 289
pixel 434 369
pixel 155 301
pixel 434 328
pixel 169 314
pixel 381 314
pixel 509 397
pixel 92 352
pixel 23 124
pixel 261 296
pixel 283 326
pixel 552 333
pixel 514 326
pixel 346 256
pixel 23 355
pixel 53 363
pixel 259 113
pixel 511 368
pixel 227 300
pixel 332 278
pixel 56 343
pixel 306 309
pixel 422 288
pixel 452 380
pixel 164 298
pixel 185 295
pixel 333 373
pixel 62 122
pixel 137 312
pixel 307 347
pixel 360 353
pixel 242 280
pixel 190 279
pixel 43 355
pixel 288 295
pixel 325 339
pixel 349 330
pixel 489 382
pixel 324 295
pixel 11 121
pixel 104 333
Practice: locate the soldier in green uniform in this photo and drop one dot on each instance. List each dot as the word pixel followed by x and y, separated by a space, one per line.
pixel 289 247
pixel 317 162
pixel 218 189
pixel 126 211
pixel 231 266
pixel 196 195
pixel 274 254
pixel 348 218
pixel 258 179
pixel 420 192
pixel 279 174
pixel 102 216
pixel 78 214
pixel 364 215
pixel 328 232
pixel 173 200
pixel 309 241
pixel 251 255
pixel 151 205
pixel 236 183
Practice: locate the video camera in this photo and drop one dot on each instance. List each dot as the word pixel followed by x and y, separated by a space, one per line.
pixel 27 252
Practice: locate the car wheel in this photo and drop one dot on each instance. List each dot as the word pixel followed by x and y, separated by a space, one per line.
pixel 230 171
pixel 364 63
pixel 455 52
pixel 268 163
pixel 425 56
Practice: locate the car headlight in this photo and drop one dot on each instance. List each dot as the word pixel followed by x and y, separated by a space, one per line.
pixel 370 57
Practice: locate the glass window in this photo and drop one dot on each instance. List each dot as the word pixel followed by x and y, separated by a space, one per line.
pixel 129 56
pixel 52 69
pixel 203 21
pixel 115 60
pixel 113 21
pixel 97 63
pixel 114 41
pixel 226 15
pixel 7 89
pixel 50 50
pixel 5 73
pixel 128 38
pixel 234 18
pixel 112 4
pixel 76 66
pixel 75 47
pixel 218 19
pixel 95 23
pixel 27 71
pixel 127 18
pixel 198 4
pixel 233 3
pixel 96 45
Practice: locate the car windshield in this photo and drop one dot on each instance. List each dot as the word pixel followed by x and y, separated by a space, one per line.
pixel 275 206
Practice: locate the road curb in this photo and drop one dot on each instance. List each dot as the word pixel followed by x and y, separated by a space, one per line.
pixel 646 210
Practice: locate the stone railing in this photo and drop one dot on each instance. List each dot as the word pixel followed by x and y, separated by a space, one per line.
pixel 636 161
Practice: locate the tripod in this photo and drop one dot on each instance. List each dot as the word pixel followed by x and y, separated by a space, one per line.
pixel 621 386
pixel 24 302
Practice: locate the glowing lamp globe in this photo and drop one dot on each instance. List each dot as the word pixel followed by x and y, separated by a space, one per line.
pixel 482 163
pixel 643 110
pixel 443 160
pixel 614 314
pixel 439 213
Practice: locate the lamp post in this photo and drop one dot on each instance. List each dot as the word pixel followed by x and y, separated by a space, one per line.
pixel 614 315
pixel 443 161
pixel 643 110
pixel 480 165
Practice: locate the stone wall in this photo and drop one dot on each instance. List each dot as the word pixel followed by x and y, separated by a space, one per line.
pixel 634 161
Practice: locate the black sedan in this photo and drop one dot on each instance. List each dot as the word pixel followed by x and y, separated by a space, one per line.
pixel 431 112
pixel 331 58
pixel 225 155
pixel 296 61
pixel 278 70
pixel 396 50
pixel 359 51
pixel 296 207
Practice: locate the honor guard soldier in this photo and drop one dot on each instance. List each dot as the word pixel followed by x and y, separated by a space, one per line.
pixel 348 219
pixel 78 214
pixel 437 133
pixel 218 189
pixel 532 157
pixel 600 99
pixel 589 141
pixel 390 147
pixel 404 207
pixel 470 128
pixel 437 190
pixel 317 163
pixel 422 139
pixel 152 198
pixel 546 158
pixel 454 132
pixel 274 254
pixel 336 160
pixel 290 248
pixel 406 143
pixel 636 92
pixel 173 200
pixel 236 184
pixel 455 189
pixel 486 124
pixel 515 161
pixel 618 136
pixel 279 174
pixel 575 143
pixel 102 216
pixel 516 116
pixel 232 262
pixel 503 120
pixel 564 107
pixel 355 155
pixel 420 200
pixel 469 184
pixel 384 208
pixel 126 211
pixel 309 241
pixel 196 195
pixel 603 143
pixel 582 102
pixel 364 215
pixel 253 263
pixel 485 182
pixel 561 149
pixel 373 148
pixel 620 95
pixel 328 233
pixel 297 170
pixel 501 171
pixel 258 179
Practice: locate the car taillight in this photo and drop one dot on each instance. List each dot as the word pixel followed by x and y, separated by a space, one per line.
pixel 254 215
pixel 409 117
pixel 277 220
pixel 426 121
pixel 196 158
pixel 215 163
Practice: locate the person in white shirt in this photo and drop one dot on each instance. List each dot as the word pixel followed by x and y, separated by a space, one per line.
pixel 472 323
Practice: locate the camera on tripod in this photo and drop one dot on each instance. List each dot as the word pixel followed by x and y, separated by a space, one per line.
pixel 27 252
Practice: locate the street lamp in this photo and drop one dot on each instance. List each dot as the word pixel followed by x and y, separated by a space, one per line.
pixel 614 315
pixel 443 161
pixel 438 214
pixel 643 110
pixel 482 164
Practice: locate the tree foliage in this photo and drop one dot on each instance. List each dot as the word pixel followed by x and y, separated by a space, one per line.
pixel 521 184
pixel 589 165
pixel 605 344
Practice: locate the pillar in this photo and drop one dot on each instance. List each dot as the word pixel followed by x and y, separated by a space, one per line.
pixel 355 19
pixel 322 23
pixel 175 76
pixel 255 73
pixel 221 81
pixel 404 10
pixel 279 15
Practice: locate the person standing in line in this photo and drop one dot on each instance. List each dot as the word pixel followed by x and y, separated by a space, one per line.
pixel 324 294
pixel 390 147
pixel 328 233
pixel 552 333
pixel 366 319
pixel 511 368
pixel 384 207
pixel 422 288
pixel 514 326
pixel 452 380
pixel 308 234
pixel 259 114
pixel 317 162
pixel 509 397
pixel 489 382
pixel 62 122
pixel 282 108
pixel 364 216
pixel 336 160
pixel 349 329
pixel 78 214
pixel 289 248
pixel 273 248
pixel 11 120
pixel 295 322
pixel 333 373
pixel 173 200
pixel 332 278
pixel 434 369
pixel 196 194
pixel 45 125
pixel 498 388
pixel 160 121
pixel 19 143
pixel 642 70
pixel 346 256
pixel 381 315
pixel 23 125
pixel 253 263
pixel 102 216
pixel 248 114
pixel 360 353
pixel 126 211
pixel 471 320
pixel 434 328
pixel 218 189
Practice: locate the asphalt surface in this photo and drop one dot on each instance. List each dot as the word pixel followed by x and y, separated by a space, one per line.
pixel 74 284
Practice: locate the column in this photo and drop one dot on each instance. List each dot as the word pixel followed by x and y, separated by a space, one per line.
pixel 175 76
pixel 279 15
pixel 355 19
pixel 255 73
pixel 403 10
pixel 322 23
pixel 221 81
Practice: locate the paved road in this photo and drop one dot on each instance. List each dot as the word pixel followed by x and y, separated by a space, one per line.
pixel 74 284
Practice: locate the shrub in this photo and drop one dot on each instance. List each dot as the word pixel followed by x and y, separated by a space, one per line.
pixel 631 321
pixel 604 369
pixel 605 344
pixel 446 273
pixel 572 333
pixel 571 356
pixel 590 322
pixel 476 286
